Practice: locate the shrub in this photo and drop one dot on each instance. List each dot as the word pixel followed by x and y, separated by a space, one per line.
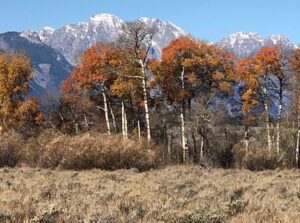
pixel 87 151
pixel 225 156
pixel 262 160
pixel 10 149
pixel 97 151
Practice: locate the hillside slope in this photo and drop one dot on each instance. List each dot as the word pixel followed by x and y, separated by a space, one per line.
pixel 50 66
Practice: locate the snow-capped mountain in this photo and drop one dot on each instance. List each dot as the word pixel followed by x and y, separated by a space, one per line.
pixel 54 51
pixel 166 33
pixel 72 40
pixel 244 44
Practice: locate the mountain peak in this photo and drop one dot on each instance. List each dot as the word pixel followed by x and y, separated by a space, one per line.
pixel 149 20
pixel 245 44
pixel 159 22
pixel 245 35
pixel 48 29
pixel 104 17
pixel 71 40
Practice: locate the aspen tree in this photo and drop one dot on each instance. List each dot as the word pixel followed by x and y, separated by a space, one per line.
pixel 138 39
pixel 295 67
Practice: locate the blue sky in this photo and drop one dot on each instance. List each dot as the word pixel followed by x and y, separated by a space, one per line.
pixel 205 19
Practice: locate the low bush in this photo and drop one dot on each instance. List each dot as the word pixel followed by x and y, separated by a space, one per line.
pixel 10 148
pixel 263 160
pixel 98 151
pixel 85 151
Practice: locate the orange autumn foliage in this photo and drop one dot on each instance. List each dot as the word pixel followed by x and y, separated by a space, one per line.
pixel 28 112
pixel 295 62
pixel 15 76
pixel 127 84
pixel 252 71
pixel 204 65
pixel 94 70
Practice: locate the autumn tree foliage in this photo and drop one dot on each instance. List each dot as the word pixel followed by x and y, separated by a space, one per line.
pixel 76 110
pixel 294 63
pixel 262 75
pixel 247 71
pixel 188 67
pixel 92 78
pixel 205 67
pixel 274 62
pixel 15 109
pixel 137 39
pixel 185 94
pixel 121 83
pixel 129 90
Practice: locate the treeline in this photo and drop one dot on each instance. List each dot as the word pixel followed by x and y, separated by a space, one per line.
pixel 199 102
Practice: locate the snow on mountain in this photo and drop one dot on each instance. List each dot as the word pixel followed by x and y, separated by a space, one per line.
pixel 166 32
pixel 54 50
pixel 244 44
pixel 72 40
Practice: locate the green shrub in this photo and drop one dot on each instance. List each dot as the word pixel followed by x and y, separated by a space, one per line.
pixel 225 157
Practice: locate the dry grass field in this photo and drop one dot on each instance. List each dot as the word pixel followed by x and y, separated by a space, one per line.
pixel 172 194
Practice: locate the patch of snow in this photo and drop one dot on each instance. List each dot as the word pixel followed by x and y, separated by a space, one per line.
pixel 72 40
pixel 244 44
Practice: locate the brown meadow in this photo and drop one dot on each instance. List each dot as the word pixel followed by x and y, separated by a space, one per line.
pixel 172 194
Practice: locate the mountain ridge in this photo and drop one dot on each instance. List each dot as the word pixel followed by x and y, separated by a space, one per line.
pixel 73 39
pixel 66 44
pixel 245 44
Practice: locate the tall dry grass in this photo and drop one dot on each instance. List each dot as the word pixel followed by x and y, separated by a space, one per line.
pixel 51 149
pixel 186 194
pixel 86 151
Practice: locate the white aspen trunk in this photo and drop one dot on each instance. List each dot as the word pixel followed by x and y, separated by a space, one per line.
pixel 106 113
pixel 144 84
pixel 246 138
pixel 183 136
pixel 268 128
pixel 123 121
pixel 278 127
pixel 266 106
pixel 273 134
pixel 76 127
pixel 86 122
pixel 112 114
pixel 139 130
pixel 298 142
pixel 297 148
pixel 201 147
pixel 126 126
pixel 169 146
pixel 61 117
